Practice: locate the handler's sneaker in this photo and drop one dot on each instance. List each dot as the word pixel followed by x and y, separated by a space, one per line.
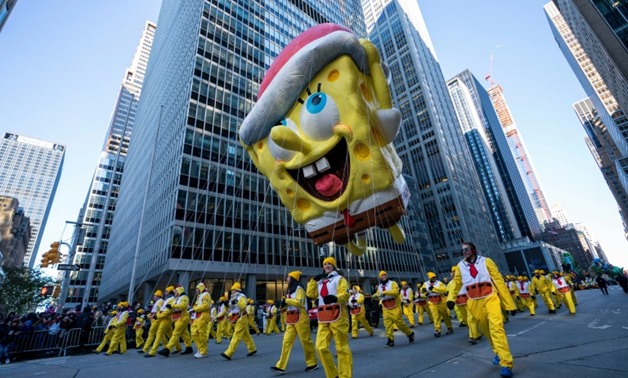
pixel 277 370
pixel 496 360
pixel 311 368
pixel 411 337
pixel 390 343
pixel 505 372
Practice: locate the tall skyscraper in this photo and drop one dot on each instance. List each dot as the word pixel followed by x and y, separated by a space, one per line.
pixel 523 160
pixel 30 170
pixel 526 222
pixel 559 214
pixel 592 37
pixel 6 6
pixel 463 90
pixel 192 205
pixel 100 204
pixel 431 144
pixel 604 152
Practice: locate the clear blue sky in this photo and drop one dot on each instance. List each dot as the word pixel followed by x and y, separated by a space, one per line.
pixel 62 64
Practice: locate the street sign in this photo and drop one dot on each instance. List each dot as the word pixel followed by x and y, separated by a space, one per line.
pixel 68 267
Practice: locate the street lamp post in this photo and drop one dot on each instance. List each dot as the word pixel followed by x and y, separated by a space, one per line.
pixel 66 279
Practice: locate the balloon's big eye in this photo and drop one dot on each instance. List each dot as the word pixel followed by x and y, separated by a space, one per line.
pixel 319 115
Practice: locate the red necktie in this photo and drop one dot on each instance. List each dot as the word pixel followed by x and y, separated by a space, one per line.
pixel 383 288
pixel 559 281
pixel 473 270
pixel 521 283
pixel 324 291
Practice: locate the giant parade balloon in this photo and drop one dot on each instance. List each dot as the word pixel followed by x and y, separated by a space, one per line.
pixel 322 131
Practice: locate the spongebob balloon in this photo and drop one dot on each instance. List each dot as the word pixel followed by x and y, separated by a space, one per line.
pixel 322 133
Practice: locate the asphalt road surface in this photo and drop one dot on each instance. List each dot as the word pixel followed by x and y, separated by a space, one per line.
pixel 592 343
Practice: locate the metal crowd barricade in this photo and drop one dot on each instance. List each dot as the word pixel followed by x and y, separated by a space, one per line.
pixel 39 342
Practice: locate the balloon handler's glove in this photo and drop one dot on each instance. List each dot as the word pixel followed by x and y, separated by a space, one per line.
pixel 451 304
pixel 329 299
pixel 319 277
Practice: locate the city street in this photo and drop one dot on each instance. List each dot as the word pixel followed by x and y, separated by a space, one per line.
pixel 592 343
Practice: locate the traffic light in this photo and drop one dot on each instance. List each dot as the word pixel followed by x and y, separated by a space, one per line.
pixel 55 255
pixel 44 259
pixel 56 291
pixel 46 291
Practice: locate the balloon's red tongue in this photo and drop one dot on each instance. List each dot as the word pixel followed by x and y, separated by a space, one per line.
pixel 328 185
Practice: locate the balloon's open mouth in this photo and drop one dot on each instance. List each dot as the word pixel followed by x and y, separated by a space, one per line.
pixel 326 178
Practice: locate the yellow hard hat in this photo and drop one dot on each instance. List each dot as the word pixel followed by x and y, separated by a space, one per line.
pixel 140 311
pixel 330 260
pixel 296 274
pixel 159 293
pixel 270 301
pixel 223 298
pixel 114 312
pixel 250 301
pixel 236 286
pixel 431 275
pixel 403 283
pixel 180 289
pixel 419 284
pixel 356 288
pixel 200 286
pixel 169 289
pixel 382 273
pixel 541 271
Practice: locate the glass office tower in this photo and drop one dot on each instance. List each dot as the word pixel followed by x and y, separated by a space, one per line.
pixel 30 170
pixel 431 144
pixel 478 140
pixel 100 204
pixel 478 103
pixel 592 36
pixel 192 205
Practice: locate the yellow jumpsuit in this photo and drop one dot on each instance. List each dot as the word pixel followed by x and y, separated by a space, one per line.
pixel 474 330
pixel 296 304
pixel 201 321
pixel 119 337
pixel 271 320
pixel 221 322
pixel 461 314
pixel 542 286
pixel 165 325
pixel 525 295
pixel 181 324
pixel 562 290
pixel 139 331
pixel 154 325
pixel 420 305
pixel 336 285
pixel 282 319
pixel 108 335
pixel 250 311
pixel 389 293
pixel 407 303
pixel 241 329
pixel 484 303
pixel 436 293
pixel 358 315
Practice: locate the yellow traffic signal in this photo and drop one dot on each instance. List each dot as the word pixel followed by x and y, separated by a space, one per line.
pixel 56 291
pixel 44 259
pixel 54 254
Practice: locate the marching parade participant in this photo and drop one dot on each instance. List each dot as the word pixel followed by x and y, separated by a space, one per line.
pixel 358 314
pixel 563 292
pixel 331 291
pixel 164 316
pixel 181 320
pixel 221 319
pixel 525 294
pixel 542 286
pixel 213 312
pixel 420 304
pixel 435 291
pixel 108 333
pixel 485 291
pixel 511 282
pixel 250 310
pixel 118 340
pixel 388 295
pixel 239 317
pixel 462 317
pixel 154 322
pixel 407 302
pixel 138 326
pixel 200 320
pixel 271 319
pixel 297 324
